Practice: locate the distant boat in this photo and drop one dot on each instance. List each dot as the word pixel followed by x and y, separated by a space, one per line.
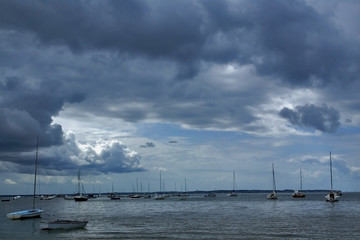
pixel 48 197
pixel 135 196
pixel 210 195
pixel 160 196
pixel 113 196
pixel 79 197
pixel 273 196
pixel 5 199
pixel 299 194
pixel 148 195
pixel 31 213
pixel 233 193
pixel 62 224
pixel 69 197
pixel 331 196
pixel 183 196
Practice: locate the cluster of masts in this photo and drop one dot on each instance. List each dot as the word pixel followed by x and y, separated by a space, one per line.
pixel 330 197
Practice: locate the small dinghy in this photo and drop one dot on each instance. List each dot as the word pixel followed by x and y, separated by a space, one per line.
pixel 62 224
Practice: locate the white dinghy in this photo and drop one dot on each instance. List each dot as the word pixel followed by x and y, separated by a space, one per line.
pixel 62 224
pixel 31 213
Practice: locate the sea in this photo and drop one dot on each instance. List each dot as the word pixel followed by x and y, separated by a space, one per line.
pixel 247 216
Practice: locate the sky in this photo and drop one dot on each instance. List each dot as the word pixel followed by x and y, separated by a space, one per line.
pixel 196 90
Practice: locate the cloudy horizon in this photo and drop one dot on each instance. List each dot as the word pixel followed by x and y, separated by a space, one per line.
pixel 195 89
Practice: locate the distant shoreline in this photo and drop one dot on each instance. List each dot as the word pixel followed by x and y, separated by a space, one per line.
pixel 188 192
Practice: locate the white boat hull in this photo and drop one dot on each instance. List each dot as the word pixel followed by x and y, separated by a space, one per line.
pixel 62 224
pixel 159 197
pixel 332 197
pixel 272 196
pixel 47 197
pixel 232 194
pixel 24 214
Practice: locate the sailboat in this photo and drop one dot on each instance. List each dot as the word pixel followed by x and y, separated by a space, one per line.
pixel 113 196
pixel 31 213
pixel 136 195
pixel 273 196
pixel 161 195
pixel 331 196
pixel 148 195
pixel 79 197
pixel 183 196
pixel 233 193
pixel 299 194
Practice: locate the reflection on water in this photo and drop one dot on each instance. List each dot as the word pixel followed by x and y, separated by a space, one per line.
pixel 248 216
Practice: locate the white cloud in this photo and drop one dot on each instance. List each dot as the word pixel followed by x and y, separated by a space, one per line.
pixel 9 181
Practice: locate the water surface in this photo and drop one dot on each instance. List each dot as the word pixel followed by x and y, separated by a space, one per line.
pixel 247 216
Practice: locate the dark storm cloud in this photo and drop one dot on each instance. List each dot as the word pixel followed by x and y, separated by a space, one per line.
pixel 169 30
pixel 300 45
pixel 322 118
pixel 26 112
pixel 136 60
pixel 288 39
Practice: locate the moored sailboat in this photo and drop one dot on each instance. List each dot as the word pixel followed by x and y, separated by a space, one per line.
pixel 273 196
pixel 113 196
pixel 31 213
pixel 80 197
pixel 297 193
pixel 210 195
pixel 331 196
pixel 183 196
pixel 233 193
pixel 160 196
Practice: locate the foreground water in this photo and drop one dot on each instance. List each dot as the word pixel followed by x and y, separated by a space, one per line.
pixel 247 216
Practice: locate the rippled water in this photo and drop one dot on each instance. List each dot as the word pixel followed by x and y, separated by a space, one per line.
pixel 247 216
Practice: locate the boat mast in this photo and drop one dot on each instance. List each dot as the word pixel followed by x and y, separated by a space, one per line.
pixel 185 185
pixel 160 183
pixel 274 186
pixel 300 180
pixel 234 181
pixel 331 181
pixel 79 181
pixel 36 162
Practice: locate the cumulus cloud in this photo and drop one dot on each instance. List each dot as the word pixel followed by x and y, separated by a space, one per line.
pixel 321 118
pixel 101 157
pixel 9 181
